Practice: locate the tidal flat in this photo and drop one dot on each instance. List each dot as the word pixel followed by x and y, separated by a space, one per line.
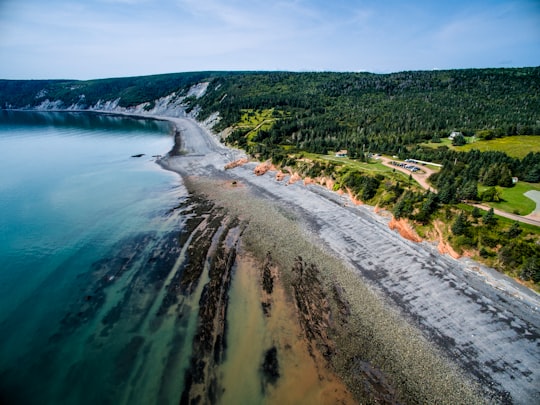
pixel 353 339
pixel 394 319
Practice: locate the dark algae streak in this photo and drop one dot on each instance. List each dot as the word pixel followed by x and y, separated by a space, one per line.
pixel 209 345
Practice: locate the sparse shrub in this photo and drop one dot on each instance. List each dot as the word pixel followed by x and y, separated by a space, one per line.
pixel 485 253
pixel 531 270
pixel 489 241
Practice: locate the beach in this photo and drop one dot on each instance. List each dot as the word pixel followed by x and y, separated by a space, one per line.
pixel 401 316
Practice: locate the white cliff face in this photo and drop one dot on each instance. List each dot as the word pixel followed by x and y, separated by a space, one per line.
pixel 41 94
pixel 172 105
pixel 211 121
pixel 110 105
pixel 198 90
pixel 50 105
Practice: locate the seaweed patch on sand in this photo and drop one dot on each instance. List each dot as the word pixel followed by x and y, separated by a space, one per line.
pixel 351 330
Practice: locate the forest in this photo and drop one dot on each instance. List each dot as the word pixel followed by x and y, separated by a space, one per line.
pixel 394 114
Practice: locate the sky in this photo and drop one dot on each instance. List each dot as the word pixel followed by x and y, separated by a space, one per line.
pixel 90 39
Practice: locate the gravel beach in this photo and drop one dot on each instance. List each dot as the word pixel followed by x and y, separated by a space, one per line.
pixel 483 325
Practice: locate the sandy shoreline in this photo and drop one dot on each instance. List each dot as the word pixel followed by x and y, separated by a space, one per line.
pixel 481 320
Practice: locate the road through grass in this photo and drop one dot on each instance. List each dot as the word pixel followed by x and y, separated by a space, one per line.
pixel 514 200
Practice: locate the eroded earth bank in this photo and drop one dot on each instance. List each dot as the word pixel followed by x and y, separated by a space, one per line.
pixel 308 298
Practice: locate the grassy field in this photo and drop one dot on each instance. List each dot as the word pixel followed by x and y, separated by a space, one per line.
pixel 515 146
pixel 446 142
pixel 374 166
pixel 514 200
pixel 255 121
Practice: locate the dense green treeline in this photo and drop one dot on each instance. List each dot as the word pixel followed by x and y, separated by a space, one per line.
pixel 463 171
pixel 130 91
pixel 385 113
pixel 362 113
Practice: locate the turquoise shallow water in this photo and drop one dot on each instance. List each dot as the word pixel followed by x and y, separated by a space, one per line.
pixel 79 220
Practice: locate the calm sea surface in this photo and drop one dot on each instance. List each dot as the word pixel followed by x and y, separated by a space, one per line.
pixel 94 246
pixel 79 220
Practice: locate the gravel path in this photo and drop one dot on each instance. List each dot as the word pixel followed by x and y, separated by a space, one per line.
pixel 535 196
pixel 481 319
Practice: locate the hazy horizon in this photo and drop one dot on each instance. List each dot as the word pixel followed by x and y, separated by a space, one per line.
pixel 272 71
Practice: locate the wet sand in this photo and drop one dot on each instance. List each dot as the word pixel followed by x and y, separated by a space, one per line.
pixel 405 323
pixel 253 331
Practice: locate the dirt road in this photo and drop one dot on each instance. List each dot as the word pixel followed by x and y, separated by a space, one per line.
pixel 422 176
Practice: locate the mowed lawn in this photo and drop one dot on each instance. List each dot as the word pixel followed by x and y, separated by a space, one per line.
pixel 516 146
pixel 514 200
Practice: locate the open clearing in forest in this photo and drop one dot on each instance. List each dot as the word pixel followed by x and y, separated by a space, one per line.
pixel 515 146
pixel 514 200
pixel 255 121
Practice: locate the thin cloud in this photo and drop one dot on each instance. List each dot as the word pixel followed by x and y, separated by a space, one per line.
pixel 100 38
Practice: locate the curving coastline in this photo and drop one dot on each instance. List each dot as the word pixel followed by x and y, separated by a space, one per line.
pixel 394 319
pixel 436 329
pixel 303 276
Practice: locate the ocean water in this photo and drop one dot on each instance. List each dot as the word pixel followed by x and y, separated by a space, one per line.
pixel 80 222
pixel 95 245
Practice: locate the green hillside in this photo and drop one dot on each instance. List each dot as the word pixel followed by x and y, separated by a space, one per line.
pixel 130 90
pixel 386 112
pixel 295 119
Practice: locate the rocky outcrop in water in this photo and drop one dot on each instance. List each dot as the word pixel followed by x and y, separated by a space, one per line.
pixel 270 367
pixel 313 308
pixel 209 344
pixel 267 279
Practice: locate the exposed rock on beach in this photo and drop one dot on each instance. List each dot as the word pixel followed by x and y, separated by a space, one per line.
pixel 397 321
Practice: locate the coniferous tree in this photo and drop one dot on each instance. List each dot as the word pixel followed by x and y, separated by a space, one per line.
pixel 460 225
pixel 514 231
pixel 491 176
pixel 532 175
pixel 476 213
pixel 469 191
pixel 447 193
pixel 492 194
pixel 505 176
pixel 489 218
pixel 459 140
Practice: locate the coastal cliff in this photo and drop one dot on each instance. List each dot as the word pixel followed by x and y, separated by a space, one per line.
pixel 382 354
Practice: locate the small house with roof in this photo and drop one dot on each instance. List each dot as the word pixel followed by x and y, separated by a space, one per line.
pixel 454 134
